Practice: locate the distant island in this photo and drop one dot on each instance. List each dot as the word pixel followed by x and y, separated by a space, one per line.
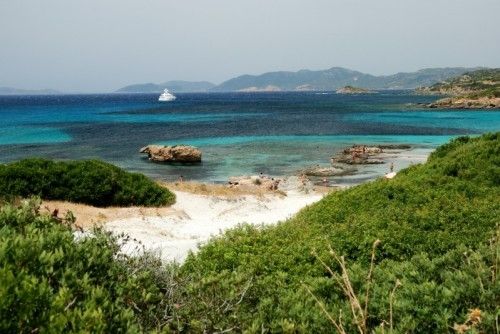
pixel 305 80
pixel 177 86
pixel 336 78
pixel 472 90
pixel 354 90
pixel 333 79
pixel 17 91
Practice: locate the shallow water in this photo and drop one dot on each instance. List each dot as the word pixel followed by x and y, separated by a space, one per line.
pixel 239 133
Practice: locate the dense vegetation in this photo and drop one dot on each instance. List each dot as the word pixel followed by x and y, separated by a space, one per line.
pixel 51 284
pixel 433 269
pixel 434 221
pixel 480 83
pixel 91 182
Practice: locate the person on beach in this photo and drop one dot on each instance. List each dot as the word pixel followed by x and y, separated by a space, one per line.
pixel 181 179
pixel 325 181
pixel 275 184
pixel 392 167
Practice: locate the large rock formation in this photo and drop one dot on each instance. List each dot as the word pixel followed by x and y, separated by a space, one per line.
pixel 177 153
pixel 366 155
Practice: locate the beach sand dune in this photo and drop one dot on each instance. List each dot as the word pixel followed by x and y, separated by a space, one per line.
pixel 196 218
pixel 200 212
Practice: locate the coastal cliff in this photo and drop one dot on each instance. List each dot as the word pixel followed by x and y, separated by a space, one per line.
pixel 474 90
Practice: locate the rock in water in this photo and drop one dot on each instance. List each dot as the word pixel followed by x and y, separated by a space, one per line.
pixel 359 155
pixel 176 153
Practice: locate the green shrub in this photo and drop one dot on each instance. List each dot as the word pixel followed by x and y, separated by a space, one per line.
pixel 91 182
pixel 51 283
pixel 438 260
pixel 426 218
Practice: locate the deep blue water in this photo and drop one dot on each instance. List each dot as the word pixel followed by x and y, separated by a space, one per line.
pixel 239 133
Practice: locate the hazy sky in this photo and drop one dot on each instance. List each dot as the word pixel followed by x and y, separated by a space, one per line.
pixel 101 45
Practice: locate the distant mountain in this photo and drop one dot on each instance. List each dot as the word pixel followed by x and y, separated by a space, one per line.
pixel 335 78
pixel 17 91
pixel 174 86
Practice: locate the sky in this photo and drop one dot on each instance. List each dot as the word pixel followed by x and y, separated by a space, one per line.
pixel 102 45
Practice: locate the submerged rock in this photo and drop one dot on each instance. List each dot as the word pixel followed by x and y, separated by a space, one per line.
pixel 395 147
pixel 328 171
pixel 362 149
pixel 176 153
pixel 363 159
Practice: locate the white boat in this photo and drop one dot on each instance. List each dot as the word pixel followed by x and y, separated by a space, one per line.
pixel 166 96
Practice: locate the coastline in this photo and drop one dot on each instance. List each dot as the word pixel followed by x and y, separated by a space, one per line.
pixel 203 210
pixel 174 231
pixel 486 103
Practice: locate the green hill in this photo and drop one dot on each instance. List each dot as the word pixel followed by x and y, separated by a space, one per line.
pixel 481 82
pixel 426 218
pixel 477 89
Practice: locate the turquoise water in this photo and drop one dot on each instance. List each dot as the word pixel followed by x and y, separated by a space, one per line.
pixel 475 121
pixel 275 133
pixel 342 140
pixel 29 134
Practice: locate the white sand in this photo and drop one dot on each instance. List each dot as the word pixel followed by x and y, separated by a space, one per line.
pixel 196 218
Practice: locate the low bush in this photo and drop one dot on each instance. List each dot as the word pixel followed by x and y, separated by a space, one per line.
pixel 52 283
pixel 90 182
pixel 434 222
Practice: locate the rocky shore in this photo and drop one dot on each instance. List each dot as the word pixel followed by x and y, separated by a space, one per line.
pixel 365 155
pixel 466 103
pixel 474 90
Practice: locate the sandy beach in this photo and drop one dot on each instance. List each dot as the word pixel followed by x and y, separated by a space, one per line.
pixel 205 210
pixel 200 212
pixel 196 218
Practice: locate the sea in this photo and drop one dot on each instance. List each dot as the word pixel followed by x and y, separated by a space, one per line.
pixel 277 134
